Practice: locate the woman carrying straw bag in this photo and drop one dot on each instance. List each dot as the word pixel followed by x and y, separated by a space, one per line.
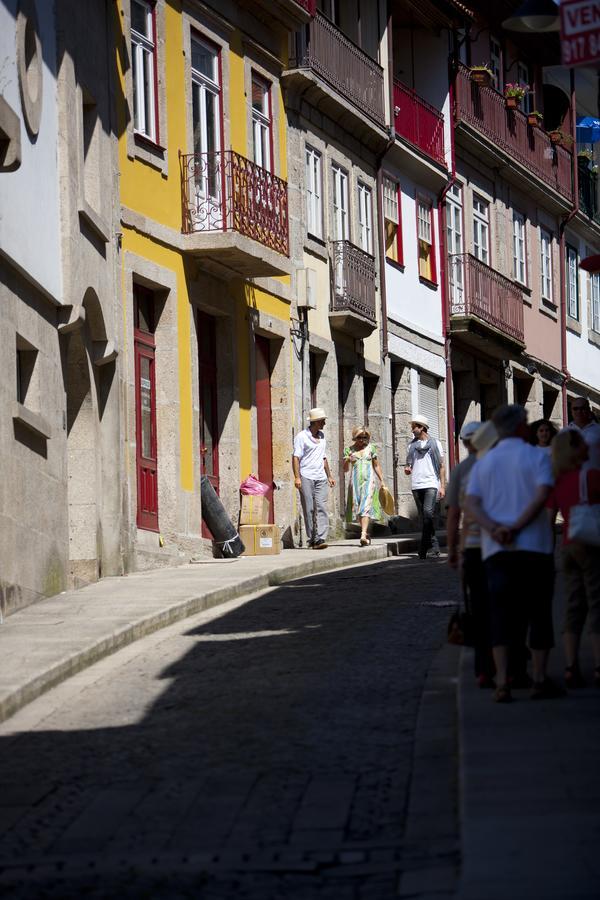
pixel 364 504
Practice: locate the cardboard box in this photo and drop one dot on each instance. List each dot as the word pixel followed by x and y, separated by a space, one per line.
pixel 260 540
pixel 254 510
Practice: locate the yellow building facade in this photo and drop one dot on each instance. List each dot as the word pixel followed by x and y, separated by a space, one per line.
pixel 205 265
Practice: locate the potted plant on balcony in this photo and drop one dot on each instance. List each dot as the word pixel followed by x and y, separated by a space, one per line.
pixel 560 138
pixel 534 118
pixel 514 93
pixel 482 74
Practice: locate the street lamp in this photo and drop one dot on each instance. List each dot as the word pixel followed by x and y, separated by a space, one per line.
pixel 534 16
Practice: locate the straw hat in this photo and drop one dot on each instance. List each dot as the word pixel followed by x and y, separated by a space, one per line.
pixel 484 438
pixel 420 420
pixel 316 414
pixel 360 429
pixel 386 500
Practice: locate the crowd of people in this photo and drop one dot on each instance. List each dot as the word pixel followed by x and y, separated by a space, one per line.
pixel 507 493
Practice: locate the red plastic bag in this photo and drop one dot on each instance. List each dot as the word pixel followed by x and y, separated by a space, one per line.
pixel 251 485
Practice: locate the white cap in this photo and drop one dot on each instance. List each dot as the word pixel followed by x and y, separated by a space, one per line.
pixel 468 430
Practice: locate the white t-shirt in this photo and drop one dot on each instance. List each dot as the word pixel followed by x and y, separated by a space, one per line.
pixel 311 454
pixel 423 471
pixel 506 480
pixel 591 435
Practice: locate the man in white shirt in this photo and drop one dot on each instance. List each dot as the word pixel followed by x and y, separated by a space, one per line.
pixel 583 420
pixel 425 465
pixel 312 477
pixel 506 495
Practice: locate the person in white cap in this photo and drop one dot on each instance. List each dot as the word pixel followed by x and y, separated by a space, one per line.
pixel 464 549
pixel 313 478
pixel 425 465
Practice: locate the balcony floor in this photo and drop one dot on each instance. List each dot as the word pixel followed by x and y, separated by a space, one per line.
pixel 484 337
pixel 233 255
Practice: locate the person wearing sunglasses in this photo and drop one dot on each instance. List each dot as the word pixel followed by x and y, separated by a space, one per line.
pixel 585 421
pixel 360 458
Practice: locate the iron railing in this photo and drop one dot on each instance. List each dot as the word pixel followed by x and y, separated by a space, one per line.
pixel 588 192
pixel 224 191
pixel 353 280
pixel 485 109
pixel 419 122
pixel 478 290
pixel 322 47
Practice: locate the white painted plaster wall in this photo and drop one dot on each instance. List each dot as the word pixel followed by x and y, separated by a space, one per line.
pixel 29 196
pixel 583 357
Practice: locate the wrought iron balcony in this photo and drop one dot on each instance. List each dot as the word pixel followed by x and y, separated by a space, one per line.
pixel 353 294
pixel 479 292
pixel 322 48
pixel 588 193
pixel 418 122
pixel 484 109
pixel 226 194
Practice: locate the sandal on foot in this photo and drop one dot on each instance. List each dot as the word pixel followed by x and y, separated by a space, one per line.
pixel 502 694
pixel 365 541
pixel 573 677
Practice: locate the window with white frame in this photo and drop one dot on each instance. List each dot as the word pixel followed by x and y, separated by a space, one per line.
pixel 143 65
pixel 524 77
pixel 454 243
pixel 427 269
pixel 595 302
pixel 496 64
pixel 546 263
pixel 365 216
pixel 313 186
pixel 341 224
pixel 261 121
pixel 391 215
pixel 572 281
pixel 519 248
pixel 206 117
pixel 481 229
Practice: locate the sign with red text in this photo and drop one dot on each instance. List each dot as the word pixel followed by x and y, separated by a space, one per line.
pixel 580 32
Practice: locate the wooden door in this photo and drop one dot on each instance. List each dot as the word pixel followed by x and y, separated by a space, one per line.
pixel 264 425
pixel 209 423
pixel 145 410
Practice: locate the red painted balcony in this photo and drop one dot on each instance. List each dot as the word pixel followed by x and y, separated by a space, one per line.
pixel 321 48
pixel 309 5
pixel 479 292
pixel 353 295
pixel 225 194
pixel 484 109
pixel 418 122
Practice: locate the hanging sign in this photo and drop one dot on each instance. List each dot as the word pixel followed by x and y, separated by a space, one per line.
pixel 580 32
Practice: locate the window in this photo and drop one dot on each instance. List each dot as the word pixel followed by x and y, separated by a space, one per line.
pixel 428 402
pixel 496 63
pixel 26 359
pixel 91 131
pixel 595 302
pixel 454 241
pixel 341 224
pixel 572 280
pixel 546 263
pixel 524 77
pixel 392 219
pixel 519 248
pixel 143 53
pixel 314 201
pixel 481 229
pixel 261 122
pixel 365 223
pixel 206 123
pixel 427 268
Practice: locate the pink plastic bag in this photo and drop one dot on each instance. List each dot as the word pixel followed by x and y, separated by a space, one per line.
pixel 253 486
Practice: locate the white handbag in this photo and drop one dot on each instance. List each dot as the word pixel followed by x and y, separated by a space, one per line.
pixel 584 519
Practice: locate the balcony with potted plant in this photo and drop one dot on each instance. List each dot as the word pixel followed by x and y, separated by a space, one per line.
pixel 514 94
pixel 535 118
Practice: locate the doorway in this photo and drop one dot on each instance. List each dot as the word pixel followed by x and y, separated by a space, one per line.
pixel 208 414
pixel 145 408
pixel 264 422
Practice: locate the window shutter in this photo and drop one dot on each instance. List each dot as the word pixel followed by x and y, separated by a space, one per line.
pixel 428 402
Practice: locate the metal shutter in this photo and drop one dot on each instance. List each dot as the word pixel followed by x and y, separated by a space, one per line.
pixel 428 402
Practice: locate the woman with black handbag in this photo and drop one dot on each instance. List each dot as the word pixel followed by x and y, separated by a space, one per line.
pixel 576 494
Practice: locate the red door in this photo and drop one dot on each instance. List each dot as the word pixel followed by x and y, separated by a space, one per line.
pixel 207 375
pixel 264 425
pixel 145 410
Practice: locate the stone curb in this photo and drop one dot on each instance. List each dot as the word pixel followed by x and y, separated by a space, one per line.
pixel 134 631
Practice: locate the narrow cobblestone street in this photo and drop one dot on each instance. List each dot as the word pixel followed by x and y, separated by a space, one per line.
pixel 263 749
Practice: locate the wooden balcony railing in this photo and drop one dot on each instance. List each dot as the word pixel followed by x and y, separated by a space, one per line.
pixel 588 192
pixel 224 191
pixel 353 280
pixel 477 290
pixel 322 47
pixel 484 108
pixel 419 122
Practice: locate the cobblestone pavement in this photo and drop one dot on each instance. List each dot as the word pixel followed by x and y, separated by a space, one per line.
pixel 262 750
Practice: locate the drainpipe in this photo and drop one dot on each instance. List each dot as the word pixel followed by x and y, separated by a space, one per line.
pixel 452 449
pixel 379 171
pixel 563 278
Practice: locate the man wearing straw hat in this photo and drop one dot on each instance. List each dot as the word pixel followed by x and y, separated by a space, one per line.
pixel 425 465
pixel 312 477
